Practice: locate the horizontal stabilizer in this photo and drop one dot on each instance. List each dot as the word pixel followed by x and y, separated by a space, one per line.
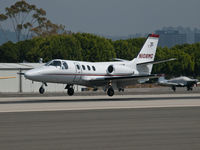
pixel 156 62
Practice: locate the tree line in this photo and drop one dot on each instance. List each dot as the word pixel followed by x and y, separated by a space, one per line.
pixel 89 47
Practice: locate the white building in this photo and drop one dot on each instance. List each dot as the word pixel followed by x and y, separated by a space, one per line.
pixel 20 84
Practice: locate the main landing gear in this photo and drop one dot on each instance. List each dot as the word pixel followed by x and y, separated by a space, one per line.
pixel 189 88
pixel 70 90
pixel 174 88
pixel 110 90
pixel 41 89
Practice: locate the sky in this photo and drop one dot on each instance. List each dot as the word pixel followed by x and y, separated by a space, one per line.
pixel 118 17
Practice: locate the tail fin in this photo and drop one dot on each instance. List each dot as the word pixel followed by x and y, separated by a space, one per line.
pixel 147 54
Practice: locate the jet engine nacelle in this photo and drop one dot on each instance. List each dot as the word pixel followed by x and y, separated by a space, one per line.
pixel 119 69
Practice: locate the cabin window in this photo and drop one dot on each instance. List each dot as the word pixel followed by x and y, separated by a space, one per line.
pixel 83 67
pixel 93 68
pixel 78 67
pixel 65 66
pixel 88 67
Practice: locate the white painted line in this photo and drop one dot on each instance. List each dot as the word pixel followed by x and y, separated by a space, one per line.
pixel 25 107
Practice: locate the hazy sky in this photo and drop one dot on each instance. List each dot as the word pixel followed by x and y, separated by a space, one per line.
pixel 119 17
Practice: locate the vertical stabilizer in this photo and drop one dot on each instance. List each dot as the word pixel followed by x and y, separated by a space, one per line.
pixel 147 54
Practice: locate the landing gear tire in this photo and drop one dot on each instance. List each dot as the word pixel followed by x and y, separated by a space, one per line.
pixel 189 88
pixel 70 91
pixel 41 90
pixel 174 88
pixel 121 89
pixel 110 91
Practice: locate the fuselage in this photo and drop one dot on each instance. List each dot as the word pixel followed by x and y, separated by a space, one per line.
pixel 79 72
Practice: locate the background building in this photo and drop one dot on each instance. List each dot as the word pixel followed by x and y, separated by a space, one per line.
pixel 197 37
pixel 20 84
pixel 170 38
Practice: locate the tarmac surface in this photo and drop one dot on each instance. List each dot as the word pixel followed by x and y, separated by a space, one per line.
pixel 118 129
pixel 123 122
pixel 128 91
pixel 57 103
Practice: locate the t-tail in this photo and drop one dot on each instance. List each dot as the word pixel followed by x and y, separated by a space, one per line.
pixel 146 56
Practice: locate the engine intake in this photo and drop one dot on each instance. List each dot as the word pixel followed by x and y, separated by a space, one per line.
pixel 119 70
pixel 110 69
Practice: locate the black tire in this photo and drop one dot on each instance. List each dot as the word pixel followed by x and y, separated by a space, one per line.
pixel 41 90
pixel 70 91
pixel 110 92
pixel 174 88
pixel 189 88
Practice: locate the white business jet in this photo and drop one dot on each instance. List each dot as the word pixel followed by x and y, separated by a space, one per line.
pixel 109 75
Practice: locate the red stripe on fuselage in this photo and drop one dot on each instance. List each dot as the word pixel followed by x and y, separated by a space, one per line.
pixel 88 74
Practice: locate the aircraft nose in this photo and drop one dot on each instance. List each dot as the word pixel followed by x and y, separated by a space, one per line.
pixel 31 74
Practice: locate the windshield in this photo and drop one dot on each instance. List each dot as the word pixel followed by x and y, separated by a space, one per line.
pixel 48 63
pixel 54 63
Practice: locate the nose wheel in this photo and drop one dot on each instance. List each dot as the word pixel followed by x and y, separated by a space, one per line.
pixel 41 90
pixel 70 90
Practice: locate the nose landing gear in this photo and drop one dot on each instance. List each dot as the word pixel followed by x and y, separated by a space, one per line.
pixel 41 89
pixel 70 90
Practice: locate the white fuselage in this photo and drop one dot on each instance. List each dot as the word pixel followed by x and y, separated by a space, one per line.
pixel 80 72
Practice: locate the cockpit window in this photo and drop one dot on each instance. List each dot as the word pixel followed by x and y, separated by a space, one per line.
pixel 65 66
pixel 54 63
pixel 47 63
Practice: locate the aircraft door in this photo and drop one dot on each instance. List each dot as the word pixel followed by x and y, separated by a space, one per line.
pixel 78 72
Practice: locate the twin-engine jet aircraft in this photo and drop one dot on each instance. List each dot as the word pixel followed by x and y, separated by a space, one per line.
pixel 109 75
pixel 179 82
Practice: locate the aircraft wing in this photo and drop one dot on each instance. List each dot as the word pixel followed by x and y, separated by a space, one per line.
pixel 124 77
pixel 171 84
pixel 6 77
pixel 131 77
pixel 126 80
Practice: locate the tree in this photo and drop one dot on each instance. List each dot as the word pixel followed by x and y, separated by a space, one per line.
pixel 55 47
pixel 27 20
pixel 9 52
pixel 128 49
pixel 95 48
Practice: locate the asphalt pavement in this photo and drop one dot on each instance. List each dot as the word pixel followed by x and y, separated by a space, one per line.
pixel 112 129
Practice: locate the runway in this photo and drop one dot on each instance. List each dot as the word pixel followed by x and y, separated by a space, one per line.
pixel 128 122
pixel 118 129
pixel 57 103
